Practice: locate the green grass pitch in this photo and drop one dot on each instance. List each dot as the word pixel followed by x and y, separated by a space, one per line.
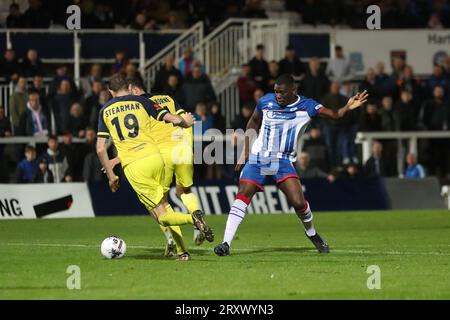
pixel 271 259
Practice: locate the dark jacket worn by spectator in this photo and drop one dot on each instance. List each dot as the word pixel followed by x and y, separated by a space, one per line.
pixel 314 86
pixel 26 171
pixel 195 90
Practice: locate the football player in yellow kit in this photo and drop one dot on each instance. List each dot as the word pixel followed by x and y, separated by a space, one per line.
pixel 129 120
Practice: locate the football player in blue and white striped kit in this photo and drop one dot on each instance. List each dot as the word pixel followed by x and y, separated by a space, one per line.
pixel 281 117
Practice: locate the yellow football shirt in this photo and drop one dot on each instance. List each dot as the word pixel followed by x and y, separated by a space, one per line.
pixel 129 121
pixel 166 134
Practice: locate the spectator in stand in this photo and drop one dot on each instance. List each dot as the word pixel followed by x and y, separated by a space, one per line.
pixel 172 87
pixel 414 169
pixel 272 76
pixel 376 166
pixel 306 170
pixel 398 66
pixel 196 88
pixel 371 85
pixel 57 162
pixel 163 74
pixel 43 175
pixel 259 66
pixel 61 74
pixel 388 123
pixel 435 21
pixel 70 151
pixel 187 61
pixel 103 15
pixel 32 65
pixel 315 83
pixel 38 86
pixel 9 66
pixel 218 119
pixel 120 61
pixel 174 21
pixel 103 98
pixel 61 104
pixel 385 84
pixel 370 119
pixel 140 22
pixel 132 72
pixel 18 102
pixel 338 134
pixel 34 121
pixel 77 122
pixel 28 167
pixel 246 85
pixel 439 79
pixel 87 83
pixel 203 120
pixel 5 126
pixel 89 159
pixel 258 94
pixel 410 83
pixel 350 171
pixel 291 64
pixel 240 122
pixel 36 16
pixel 317 149
pixel 92 101
pixel 387 114
pixel 15 17
pixel 5 131
pixel 446 66
pixel 435 116
pixel 406 112
pixel 339 68
pixel 255 10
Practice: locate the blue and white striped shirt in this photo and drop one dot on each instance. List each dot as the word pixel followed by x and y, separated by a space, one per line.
pixel 281 127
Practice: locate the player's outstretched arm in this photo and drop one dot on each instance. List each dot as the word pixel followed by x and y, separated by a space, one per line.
pixel 253 124
pixel 354 102
pixel 185 122
pixel 104 160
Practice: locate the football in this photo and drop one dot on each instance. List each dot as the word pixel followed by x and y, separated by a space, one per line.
pixel 113 247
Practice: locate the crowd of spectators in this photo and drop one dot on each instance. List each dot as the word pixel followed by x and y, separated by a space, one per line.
pixel 62 108
pixel 178 14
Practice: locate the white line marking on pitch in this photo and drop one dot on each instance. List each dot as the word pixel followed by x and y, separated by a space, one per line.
pixel 238 249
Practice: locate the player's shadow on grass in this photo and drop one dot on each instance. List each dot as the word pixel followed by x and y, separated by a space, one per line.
pixel 267 250
pixel 157 254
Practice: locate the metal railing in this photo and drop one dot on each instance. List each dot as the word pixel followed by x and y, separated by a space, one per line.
pixel 77 59
pixel 367 138
pixel 188 39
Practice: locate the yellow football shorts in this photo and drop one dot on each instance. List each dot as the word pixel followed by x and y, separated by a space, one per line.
pixel 145 176
pixel 178 160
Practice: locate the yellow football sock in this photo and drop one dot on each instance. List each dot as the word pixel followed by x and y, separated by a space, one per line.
pixel 177 237
pixel 171 218
pixel 190 201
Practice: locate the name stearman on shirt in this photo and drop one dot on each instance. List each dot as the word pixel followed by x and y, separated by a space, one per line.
pixel 123 108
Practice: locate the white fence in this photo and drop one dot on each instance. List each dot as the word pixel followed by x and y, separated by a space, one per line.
pixel 367 138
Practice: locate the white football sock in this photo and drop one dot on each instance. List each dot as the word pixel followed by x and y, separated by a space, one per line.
pixel 235 217
pixel 168 236
pixel 306 217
